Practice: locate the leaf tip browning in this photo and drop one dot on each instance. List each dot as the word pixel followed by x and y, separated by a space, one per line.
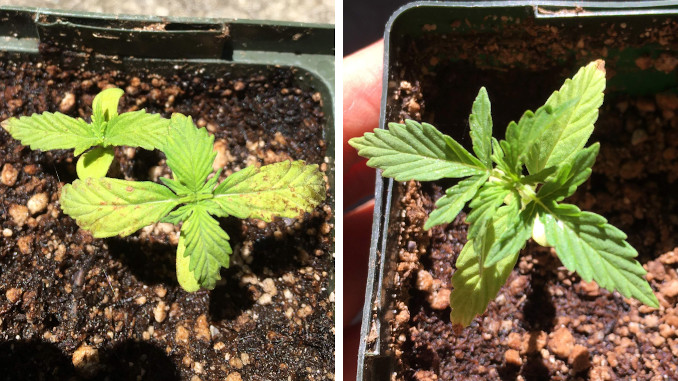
pixel 5 124
pixel 600 65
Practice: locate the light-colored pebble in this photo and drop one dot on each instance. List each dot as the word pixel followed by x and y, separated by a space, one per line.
pixel 561 342
pixel 202 329
pixel 269 286
pixel 264 299
pixel 19 214
pixel 37 203
pixel 512 357
pixel 85 357
pixel 579 358
pixel 160 312
pixel 67 103
pixel 182 335
pixel 441 299
pixel 670 289
pixel 9 175
pixel 13 294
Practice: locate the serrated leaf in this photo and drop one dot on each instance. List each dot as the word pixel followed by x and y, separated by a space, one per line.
pixel 212 181
pixel 499 155
pixel 448 206
pixel 49 131
pixel 109 207
pixel 190 152
pixel 525 137
pixel 559 143
pixel 473 286
pixel 95 162
pixel 185 276
pixel 414 151
pixel 176 187
pixel 105 106
pixel 206 245
pixel 513 228
pixel 539 177
pixel 484 205
pixel 570 176
pixel 596 250
pixel 137 129
pixel 285 189
pixel 480 122
pixel 178 215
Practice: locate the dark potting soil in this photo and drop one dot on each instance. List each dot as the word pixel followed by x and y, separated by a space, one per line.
pixel 75 307
pixel 545 323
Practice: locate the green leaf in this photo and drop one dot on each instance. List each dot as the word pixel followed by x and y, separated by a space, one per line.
pixel 49 131
pixel 559 143
pixel 499 156
pixel 206 245
pixel 185 276
pixel 569 177
pixel 178 215
pixel 539 177
pixel 525 137
pixel 137 129
pixel 285 189
pixel 176 187
pixel 473 286
pixel 480 121
pixel 108 207
pixel 484 205
pixel 95 162
pixel 105 106
pixel 448 206
pixel 513 228
pixel 190 152
pixel 596 250
pixel 414 151
pixel 212 181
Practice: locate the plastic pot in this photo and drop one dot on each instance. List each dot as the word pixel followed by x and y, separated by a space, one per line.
pixel 180 48
pixel 475 34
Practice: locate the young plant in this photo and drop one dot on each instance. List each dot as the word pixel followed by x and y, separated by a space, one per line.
pixel 108 129
pixel 109 207
pixel 509 204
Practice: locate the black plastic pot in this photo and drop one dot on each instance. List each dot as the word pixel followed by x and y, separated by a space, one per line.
pixel 217 48
pixel 163 42
pixel 458 23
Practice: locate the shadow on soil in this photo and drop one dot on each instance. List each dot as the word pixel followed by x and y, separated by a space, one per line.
pixel 273 257
pixel 151 262
pixel 539 312
pixel 128 360
pixel 229 300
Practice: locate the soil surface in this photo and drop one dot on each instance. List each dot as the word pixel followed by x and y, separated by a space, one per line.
pixel 75 307
pixel 545 323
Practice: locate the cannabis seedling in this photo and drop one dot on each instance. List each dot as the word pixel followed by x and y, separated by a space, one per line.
pixel 507 205
pixel 48 131
pixel 109 207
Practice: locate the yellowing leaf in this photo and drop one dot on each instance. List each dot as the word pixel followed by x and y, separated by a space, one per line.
pixel 109 207
pixel 95 162
pixel 285 189
pixel 49 131
pixel 185 276
pixel 473 286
